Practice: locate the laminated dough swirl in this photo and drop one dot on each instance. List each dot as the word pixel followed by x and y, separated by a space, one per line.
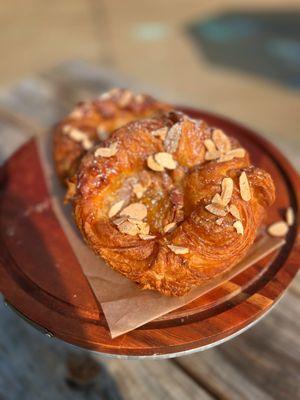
pixel 169 202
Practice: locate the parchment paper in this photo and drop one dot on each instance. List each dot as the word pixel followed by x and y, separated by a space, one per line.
pixel 124 304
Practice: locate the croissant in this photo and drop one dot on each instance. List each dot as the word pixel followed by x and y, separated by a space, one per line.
pixel 93 121
pixel 170 202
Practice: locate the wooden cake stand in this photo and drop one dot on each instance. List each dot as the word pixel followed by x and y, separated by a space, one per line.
pixel 41 278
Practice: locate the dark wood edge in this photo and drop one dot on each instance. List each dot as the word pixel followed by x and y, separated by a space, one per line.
pixel 290 174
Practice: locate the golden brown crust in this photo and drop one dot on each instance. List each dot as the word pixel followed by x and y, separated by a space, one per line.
pixel 188 242
pixel 93 121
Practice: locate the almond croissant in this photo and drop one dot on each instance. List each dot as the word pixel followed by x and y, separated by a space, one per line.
pixel 93 121
pixel 170 202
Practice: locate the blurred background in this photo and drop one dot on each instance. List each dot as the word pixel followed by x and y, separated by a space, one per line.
pixel 237 58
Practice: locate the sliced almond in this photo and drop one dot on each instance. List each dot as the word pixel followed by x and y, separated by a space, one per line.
pixel 116 208
pixel 234 211
pixel 221 140
pixel 169 227
pixel 138 190
pixel 147 237
pixel 230 155
pixel 135 210
pixel 87 144
pixel 210 145
pixel 106 151
pixel 136 221
pixel 219 221
pixel 108 95
pixel 77 113
pixel 216 210
pixel 152 164
pixel 125 98
pixel 178 249
pixel 212 155
pixel 244 187
pixel 237 153
pixel 278 229
pixel 161 133
pixel 166 160
pixel 239 227
pixel 139 98
pixel 119 220
pixel 78 136
pixel 128 228
pixel 217 199
pixel 172 138
pixel 227 189
pixel 290 216
pixel 224 158
pixel 143 227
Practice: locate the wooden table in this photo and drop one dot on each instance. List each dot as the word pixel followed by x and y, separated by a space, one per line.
pixel 263 363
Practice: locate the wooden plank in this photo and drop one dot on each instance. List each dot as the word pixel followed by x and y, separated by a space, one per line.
pixel 33 366
pixel 155 380
pixel 40 103
pixel 220 370
pixel 263 363
pixel 56 31
pixel 77 319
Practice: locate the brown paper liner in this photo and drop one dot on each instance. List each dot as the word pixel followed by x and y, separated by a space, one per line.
pixel 124 304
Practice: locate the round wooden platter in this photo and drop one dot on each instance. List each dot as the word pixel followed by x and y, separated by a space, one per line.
pixel 41 278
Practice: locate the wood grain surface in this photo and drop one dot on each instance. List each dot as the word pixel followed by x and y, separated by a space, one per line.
pixel 41 277
pixel 32 99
